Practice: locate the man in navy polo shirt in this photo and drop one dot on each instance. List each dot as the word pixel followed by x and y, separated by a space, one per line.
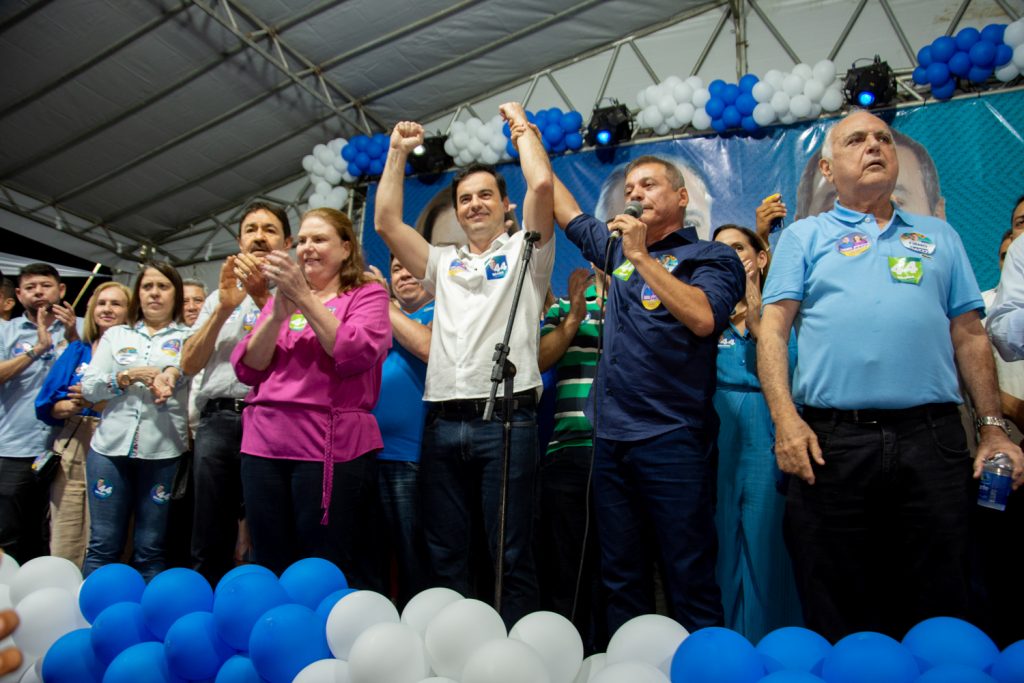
pixel 670 297
pixel 886 309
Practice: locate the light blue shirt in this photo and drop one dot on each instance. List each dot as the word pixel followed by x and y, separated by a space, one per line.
pixel 865 339
pixel 133 424
pixel 1006 319
pixel 21 434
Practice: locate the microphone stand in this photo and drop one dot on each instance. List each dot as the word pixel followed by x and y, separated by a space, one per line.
pixel 504 371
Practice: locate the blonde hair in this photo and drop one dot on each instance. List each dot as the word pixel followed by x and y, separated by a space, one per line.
pixel 90 331
pixel 352 273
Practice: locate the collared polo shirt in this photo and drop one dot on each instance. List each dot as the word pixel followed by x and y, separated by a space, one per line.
pixel 218 379
pixel 1005 321
pixel 656 375
pixel 873 325
pixel 21 434
pixel 473 297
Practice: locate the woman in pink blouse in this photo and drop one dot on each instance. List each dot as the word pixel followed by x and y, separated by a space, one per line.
pixel 314 361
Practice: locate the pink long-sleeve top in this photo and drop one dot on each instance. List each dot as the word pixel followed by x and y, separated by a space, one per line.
pixel 308 405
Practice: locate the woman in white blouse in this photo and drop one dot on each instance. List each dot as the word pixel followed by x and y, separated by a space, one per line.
pixel 134 453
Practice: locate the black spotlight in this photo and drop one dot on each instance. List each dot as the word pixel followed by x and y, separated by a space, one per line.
pixel 870 86
pixel 610 125
pixel 430 157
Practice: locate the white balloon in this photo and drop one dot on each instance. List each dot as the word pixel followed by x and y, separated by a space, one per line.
pixel 701 119
pixel 815 110
pixel 671 83
pixel 814 89
pixel 641 97
pixel 793 85
pixel 457 127
pixel 667 105
pixel 489 156
pixel 591 665
pixel 348 177
pixel 319 169
pixel 465 158
pixel 762 91
pixel 438 679
pixel 780 102
pixel 324 671
pixel 804 71
pixel 46 615
pixel 322 188
pixel 1007 72
pixel 505 661
pixel 31 675
pixel 800 106
pixel 473 125
pixel 338 196
pixel 555 639
pixel 1014 34
pixel 824 71
pixel 498 142
pixel 701 97
pixel 774 78
pixel 787 118
pixel 682 93
pixel 634 672
pixel 1018 56
pixel 484 134
pixel 650 638
pixel 8 568
pixel 457 631
pixel 45 572
pixel 695 82
pixel 5 597
pixel 322 154
pixel 652 116
pixel 335 145
pixel 653 94
pixel 339 164
pixel 684 114
pixel 662 128
pixel 832 100
pixel 764 114
pixel 352 615
pixel 317 201
pixel 332 175
pixel 307 162
pixel 450 148
pixel 461 139
pixel 475 147
pixel 388 653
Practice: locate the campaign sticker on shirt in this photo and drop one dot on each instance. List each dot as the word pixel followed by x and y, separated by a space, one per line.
pixel 331 309
pixel 297 322
pixel 456 267
pixel 102 489
pixel 497 267
pixel 160 495
pixel 906 269
pixel 649 299
pixel 668 262
pixel 171 347
pixel 126 355
pixel 918 243
pixel 80 370
pixel 726 342
pixel 854 244
pixel 249 320
pixel 234 315
pixel 625 270
pixel 22 347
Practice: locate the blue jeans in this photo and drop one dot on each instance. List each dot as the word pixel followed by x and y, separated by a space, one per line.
pixel 216 474
pixel 665 485
pixel 117 487
pixel 460 480
pixel 402 537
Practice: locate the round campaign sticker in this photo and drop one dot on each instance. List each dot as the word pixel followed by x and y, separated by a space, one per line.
pixel 853 244
pixel 297 323
pixel 23 347
pixel 102 489
pixel 669 262
pixel 82 367
pixel 126 355
pixel 918 243
pixel 171 347
pixel 249 320
pixel 649 299
pixel 160 495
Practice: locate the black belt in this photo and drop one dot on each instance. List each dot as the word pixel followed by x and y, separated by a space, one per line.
pixel 469 408
pixel 235 405
pixel 880 416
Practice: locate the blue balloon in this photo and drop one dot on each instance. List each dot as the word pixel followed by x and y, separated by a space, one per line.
pixel 117 628
pixel 943 48
pixel 108 585
pixel 954 673
pixel 360 142
pixel 574 141
pixel 924 56
pixel 748 82
pixel 531 117
pixel 1004 53
pixel 554 115
pixel 718 125
pixel 193 649
pixel 714 107
pixel 945 91
pixel 355 169
pixel 553 133
pixel 375 150
pixel 362 160
pixel 791 677
pixel 511 149
pixel 979 74
pixel 72 660
pixel 506 130
pixel 546 143
pixel 328 603
pixel 716 655
pixel 408 168
pixel 731 116
pixel 541 118
pixel 572 121
pixel 960 64
pixel 793 647
pixel 558 147
pixel 716 87
pixel 172 594
pixel 945 640
pixel 746 103
pixel 869 656
pixel 749 124
pixel 938 73
pixel 348 153
pixel 1009 665
pixel 238 606
pixel 286 640
pixel 238 669
pixel 920 76
pixel 142 662
pixel 967 37
pixel 993 33
pixel 983 53
pixel 730 92
pixel 376 167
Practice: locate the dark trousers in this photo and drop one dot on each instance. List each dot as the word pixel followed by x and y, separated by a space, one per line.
pixel 460 479
pixel 282 507
pixel 217 477
pixel 24 504
pixel 665 483
pixel 401 536
pixel 879 542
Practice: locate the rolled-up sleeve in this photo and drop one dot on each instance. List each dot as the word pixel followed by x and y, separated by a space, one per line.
pixel 364 332
pixel 1005 322
pixel 787 275
pixel 589 235
pixel 722 279
pixel 99 383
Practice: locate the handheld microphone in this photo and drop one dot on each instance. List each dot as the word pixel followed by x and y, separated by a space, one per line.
pixel 634 209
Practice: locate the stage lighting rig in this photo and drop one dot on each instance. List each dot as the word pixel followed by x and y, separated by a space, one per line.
pixel 870 86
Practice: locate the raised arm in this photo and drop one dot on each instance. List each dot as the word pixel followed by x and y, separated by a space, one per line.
pixel 199 347
pixel 403 240
pixel 536 166
pixel 566 207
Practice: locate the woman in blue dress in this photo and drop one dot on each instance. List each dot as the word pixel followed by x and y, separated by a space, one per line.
pixel 754 572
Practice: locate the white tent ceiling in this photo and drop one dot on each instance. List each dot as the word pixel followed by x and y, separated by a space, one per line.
pixel 131 127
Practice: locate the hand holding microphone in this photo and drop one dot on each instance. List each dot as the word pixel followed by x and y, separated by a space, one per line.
pixel 633 209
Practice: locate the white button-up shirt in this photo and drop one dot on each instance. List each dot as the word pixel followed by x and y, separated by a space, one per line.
pixel 218 379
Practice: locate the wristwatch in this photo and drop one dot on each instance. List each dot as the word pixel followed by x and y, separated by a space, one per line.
pixel 31 353
pixel 992 421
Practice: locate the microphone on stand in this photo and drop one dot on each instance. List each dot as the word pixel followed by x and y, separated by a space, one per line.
pixel 633 209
